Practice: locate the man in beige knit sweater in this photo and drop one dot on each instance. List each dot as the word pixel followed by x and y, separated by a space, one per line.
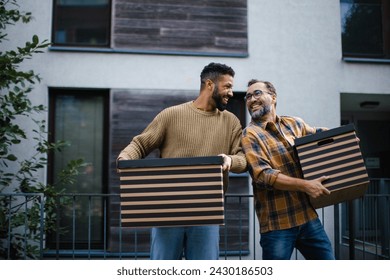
pixel 197 128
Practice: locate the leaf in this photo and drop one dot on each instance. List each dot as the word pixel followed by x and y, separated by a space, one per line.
pixel 12 157
pixel 35 39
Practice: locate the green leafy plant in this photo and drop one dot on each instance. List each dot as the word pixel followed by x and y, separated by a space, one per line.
pixel 21 226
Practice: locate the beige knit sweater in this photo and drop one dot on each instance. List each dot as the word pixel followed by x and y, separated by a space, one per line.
pixel 185 131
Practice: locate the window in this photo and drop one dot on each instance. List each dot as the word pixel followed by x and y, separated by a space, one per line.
pixel 82 23
pixel 365 28
pixel 189 27
pixel 80 118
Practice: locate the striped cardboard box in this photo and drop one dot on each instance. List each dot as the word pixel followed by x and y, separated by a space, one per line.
pixel 335 153
pixel 171 192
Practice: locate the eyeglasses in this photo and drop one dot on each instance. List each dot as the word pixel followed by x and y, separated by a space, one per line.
pixel 256 94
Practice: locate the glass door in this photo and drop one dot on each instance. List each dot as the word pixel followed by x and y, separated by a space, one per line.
pixel 79 117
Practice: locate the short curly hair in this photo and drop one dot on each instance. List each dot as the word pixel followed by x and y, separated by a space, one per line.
pixel 214 70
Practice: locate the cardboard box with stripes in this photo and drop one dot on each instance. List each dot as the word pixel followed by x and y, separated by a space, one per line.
pixel 171 192
pixel 335 153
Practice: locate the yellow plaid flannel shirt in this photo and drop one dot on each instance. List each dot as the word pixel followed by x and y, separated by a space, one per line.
pixel 269 150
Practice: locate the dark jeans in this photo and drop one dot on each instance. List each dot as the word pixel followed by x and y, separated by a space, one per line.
pixel 310 239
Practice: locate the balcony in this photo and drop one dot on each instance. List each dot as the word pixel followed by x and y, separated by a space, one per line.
pixel 362 228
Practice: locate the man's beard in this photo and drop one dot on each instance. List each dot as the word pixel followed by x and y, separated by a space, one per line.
pixel 218 100
pixel 258 114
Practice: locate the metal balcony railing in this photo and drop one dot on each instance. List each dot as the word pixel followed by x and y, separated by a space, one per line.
pixel 365 223
pixel 362 228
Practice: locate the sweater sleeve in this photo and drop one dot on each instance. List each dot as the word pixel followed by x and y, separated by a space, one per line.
pixel 239 163
pixel 149 140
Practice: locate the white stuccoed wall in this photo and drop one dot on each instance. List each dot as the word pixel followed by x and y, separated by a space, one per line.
pixel 295 44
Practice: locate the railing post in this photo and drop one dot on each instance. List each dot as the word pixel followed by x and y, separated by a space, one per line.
pixel 58 213
pixel 9 228
pixel 42 224
pixel 351 223
pixel 225 228
pixel 384 222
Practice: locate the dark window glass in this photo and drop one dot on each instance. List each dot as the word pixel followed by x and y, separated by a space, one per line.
pixel 82 23
pixel 365 28
pixel 80 117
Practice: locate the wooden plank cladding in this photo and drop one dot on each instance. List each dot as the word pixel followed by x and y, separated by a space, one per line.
pixel 334 153
pixel 171 192
pixel 192 26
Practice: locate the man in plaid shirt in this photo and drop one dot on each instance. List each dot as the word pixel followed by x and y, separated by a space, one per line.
pixel 286 217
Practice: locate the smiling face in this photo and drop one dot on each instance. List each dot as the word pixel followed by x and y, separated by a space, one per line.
pixel 260 101
pixel 223 91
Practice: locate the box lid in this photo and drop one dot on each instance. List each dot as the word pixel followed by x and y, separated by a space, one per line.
pixel 156 162
pixel 324 134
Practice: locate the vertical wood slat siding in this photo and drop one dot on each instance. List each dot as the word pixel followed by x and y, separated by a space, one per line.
pixel 334 153
pixel 182 26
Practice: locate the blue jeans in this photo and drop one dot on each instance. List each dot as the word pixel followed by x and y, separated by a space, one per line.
pixel 309 239
pixel 196 243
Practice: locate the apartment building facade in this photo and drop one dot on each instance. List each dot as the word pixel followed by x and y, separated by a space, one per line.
pixel 114 64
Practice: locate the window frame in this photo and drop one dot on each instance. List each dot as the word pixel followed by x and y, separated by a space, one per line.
pixel 105 94
pixel 80 45
pixel 370 57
